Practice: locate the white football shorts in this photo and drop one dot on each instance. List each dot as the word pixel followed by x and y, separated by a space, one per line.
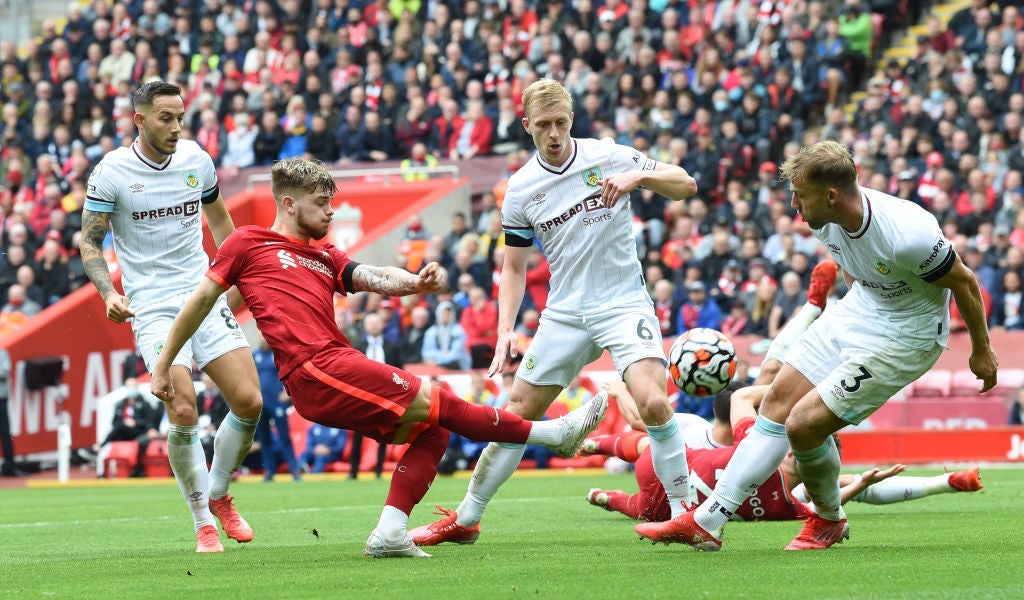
pixel 218 334
pixel 564 344
pixel 855 364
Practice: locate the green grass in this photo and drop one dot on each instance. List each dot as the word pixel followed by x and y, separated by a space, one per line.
pixel 541 540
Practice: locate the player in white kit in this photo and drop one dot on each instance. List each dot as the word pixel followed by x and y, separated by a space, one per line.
pixel 885 333
pixel 150 195
pixel 567 197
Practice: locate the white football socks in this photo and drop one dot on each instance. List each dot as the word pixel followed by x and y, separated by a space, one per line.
pixel 904 487
pixel 756 457
pixel 819 470
pixel 668 454
pixel 496 464
pixel 188 462
pixel 393 524
pixel 230 446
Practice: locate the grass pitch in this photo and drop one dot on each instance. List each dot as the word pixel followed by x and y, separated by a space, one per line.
pixel 540 540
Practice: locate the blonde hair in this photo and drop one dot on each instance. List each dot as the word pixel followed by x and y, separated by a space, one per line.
pixel 545 93
pixel 763 306
pixel 292 174
pixel 821 165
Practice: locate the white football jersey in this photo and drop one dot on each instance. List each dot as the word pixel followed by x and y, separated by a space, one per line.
pixel 894 256
pixel 155 216
pixel 590 248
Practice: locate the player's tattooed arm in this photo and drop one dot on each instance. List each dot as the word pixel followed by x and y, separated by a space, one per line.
pixel 94 230
pixel 393 281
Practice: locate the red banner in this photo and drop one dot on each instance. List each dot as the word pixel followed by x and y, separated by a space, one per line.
pixel 997 444
pixel 93 350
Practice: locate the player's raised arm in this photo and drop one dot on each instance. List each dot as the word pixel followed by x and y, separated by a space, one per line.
pixel 393 281
pixel 184 326
pixel 94 230
pixel 671 181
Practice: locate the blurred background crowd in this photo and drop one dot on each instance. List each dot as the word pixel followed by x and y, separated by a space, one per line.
pixel 727 89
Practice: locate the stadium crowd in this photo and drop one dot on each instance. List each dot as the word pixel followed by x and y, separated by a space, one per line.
pixel 726 89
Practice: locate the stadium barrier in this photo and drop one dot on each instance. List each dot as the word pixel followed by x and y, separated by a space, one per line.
pixel 916 446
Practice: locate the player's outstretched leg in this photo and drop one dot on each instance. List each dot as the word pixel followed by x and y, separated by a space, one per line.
pixel 819 533
pixel 620 445
pixel 497 463
pixel 605 498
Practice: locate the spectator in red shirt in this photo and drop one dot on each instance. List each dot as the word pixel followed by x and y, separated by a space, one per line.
pixel 471 134
pixel 538 276
pixel 480 322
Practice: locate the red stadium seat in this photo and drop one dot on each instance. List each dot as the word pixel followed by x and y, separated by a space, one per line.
pixel 613 421
pixel 121 460
pixel 934 383
pixel 556 410
pixel 155 460
pixel 368 459
pixel 297 428
pixel 964 383
pixel 1009 380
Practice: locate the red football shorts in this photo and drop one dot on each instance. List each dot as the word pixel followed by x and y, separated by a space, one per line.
pixel 341 388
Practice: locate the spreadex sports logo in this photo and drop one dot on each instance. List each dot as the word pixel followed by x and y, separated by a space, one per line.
pixel 889 289
pixel 591 203
pixel 185 209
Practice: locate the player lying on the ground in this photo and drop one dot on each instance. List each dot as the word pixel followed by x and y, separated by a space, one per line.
pixel 780 497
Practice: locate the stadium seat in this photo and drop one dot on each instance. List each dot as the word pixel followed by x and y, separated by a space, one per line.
pixel 122 458
pixel 937 382
pixel 1009 381
pixel 556 410
pixel 297 428
pixel 414 252
pixel 368 459
pixel 934 383
pixel 155 460
pixel 964 383
pixel 613 421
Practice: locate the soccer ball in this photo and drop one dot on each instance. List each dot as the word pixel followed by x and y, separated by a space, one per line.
pixel 616 466
pixel 702 361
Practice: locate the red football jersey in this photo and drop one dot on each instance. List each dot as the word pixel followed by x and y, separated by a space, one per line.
pixel 772 501
pixel 289 287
